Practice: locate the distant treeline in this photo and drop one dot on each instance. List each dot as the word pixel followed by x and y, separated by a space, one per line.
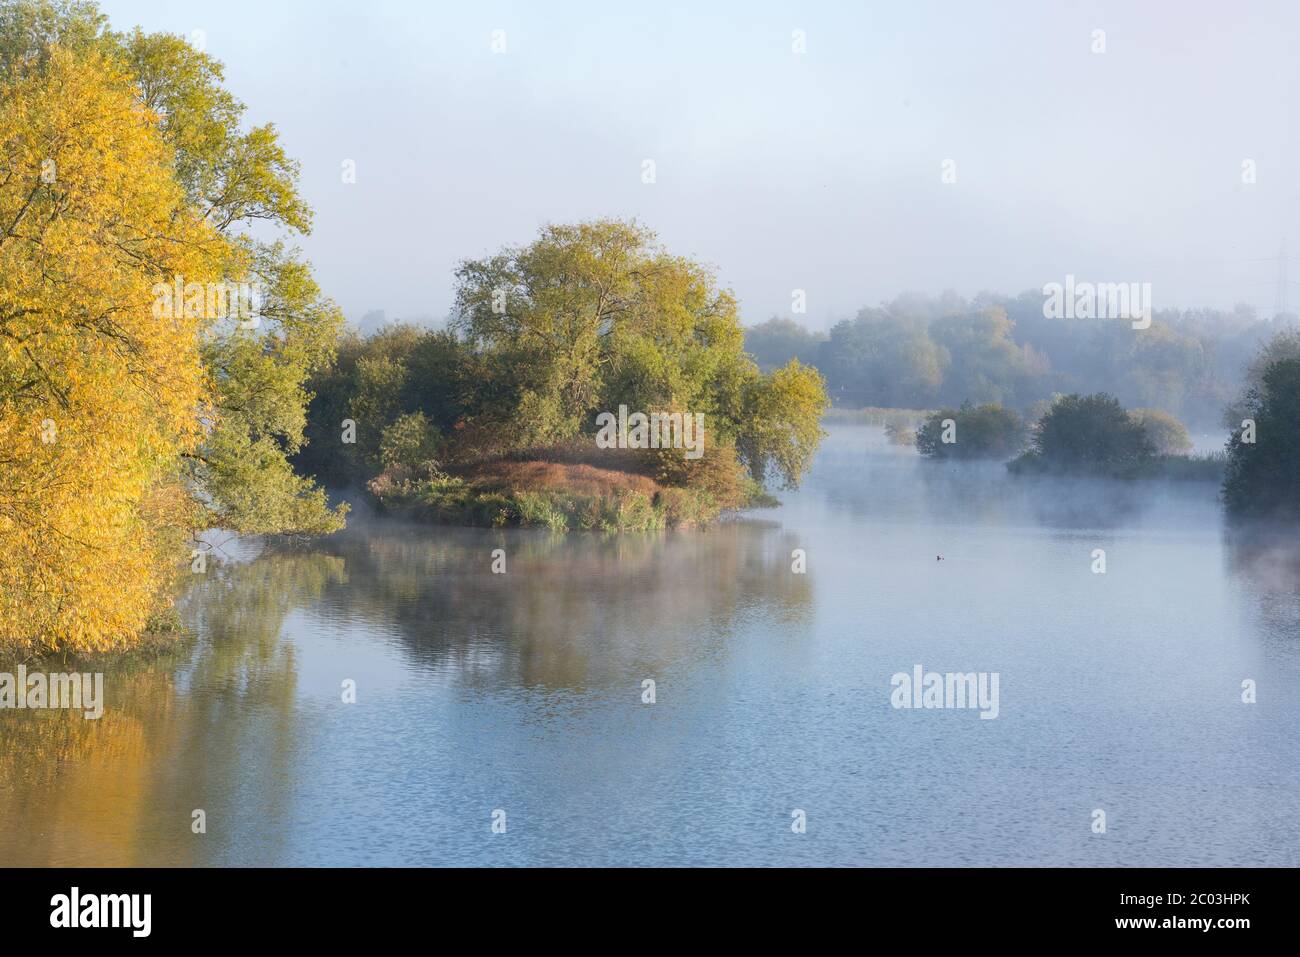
pixel 922 352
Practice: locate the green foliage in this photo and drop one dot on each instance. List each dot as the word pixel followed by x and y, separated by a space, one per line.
pixel 594 315
pixel 253 488
pixel 397 370
pixel 376 402
pixel 1088 435
pixel 539 509
pixel 548 336
pixel 1263 477
pixel 410 444
pixel 988 431
pixel 233 175
pixel 243 469
pixel 782 412
pixel 29 29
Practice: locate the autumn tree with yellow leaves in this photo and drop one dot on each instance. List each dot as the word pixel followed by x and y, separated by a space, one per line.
pixel 128 422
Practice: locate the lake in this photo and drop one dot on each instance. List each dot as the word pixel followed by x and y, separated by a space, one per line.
pixel 520 698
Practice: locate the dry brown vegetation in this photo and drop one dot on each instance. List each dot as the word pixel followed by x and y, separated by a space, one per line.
pixel 578 479
pixel 575 486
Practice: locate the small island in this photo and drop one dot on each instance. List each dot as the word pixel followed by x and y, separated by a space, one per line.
pixel 588 380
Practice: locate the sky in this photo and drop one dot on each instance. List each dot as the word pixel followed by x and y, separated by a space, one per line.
pixel 822 171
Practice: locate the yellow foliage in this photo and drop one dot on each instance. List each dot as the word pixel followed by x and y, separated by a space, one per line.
pixel 99 398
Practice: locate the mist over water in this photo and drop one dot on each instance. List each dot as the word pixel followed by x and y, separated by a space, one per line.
pixel 522 692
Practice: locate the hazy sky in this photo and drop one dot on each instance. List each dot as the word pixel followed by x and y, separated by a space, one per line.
pixel 819 171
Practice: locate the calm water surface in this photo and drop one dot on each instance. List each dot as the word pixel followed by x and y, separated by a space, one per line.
pixel 522 691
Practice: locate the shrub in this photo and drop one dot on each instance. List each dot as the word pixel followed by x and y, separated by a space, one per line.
pixel 1167 434
pixel 987 431
pixel 717 473
pixel 1088 435
pixel 410 444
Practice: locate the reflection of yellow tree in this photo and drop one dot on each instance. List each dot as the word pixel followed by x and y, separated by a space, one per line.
pixel 119 791
pixel 77 791
pixel 213 723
